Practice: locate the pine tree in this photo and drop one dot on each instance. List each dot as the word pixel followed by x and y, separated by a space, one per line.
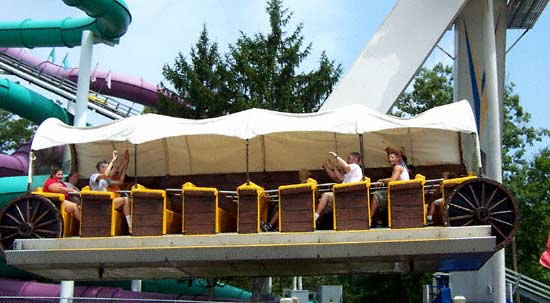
pixel 261 71
pixel 200 84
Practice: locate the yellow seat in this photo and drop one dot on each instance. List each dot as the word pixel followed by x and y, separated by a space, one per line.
pixel 447 187
pixel 99 217
pixel 71 225
pixel 150 214
pixel 253 207
pixel 352 205
pixel 406 203
pixel 297 206
pixel 202 213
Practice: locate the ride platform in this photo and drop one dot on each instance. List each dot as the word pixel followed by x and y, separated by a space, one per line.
pixel 381 250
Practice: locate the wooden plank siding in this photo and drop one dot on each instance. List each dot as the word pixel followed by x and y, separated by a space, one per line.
pixel 352 206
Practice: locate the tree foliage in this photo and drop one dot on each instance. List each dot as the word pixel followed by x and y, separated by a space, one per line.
pixel 527 178
pixel 14 131
pixel 530 184
pixel 518 135
pixel 432 87
pixel 201 83
pixel 261 71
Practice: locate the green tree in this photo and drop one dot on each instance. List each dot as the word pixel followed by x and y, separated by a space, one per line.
pixel 530 184
pixel 14 131
pixel 265 68
pixel 518 135
pixel 528 179
pixel 260 71
pixel 432 87
pixel 200 84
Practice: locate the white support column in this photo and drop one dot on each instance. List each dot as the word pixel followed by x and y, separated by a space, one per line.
pixel 80 119
pixel 494 139
pixel 267 287
pixel 83 85
pixel 479 47
pixel 67 291
pixel 136 285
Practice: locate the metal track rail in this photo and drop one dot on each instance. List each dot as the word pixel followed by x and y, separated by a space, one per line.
pixel 104 105
pixel 528 287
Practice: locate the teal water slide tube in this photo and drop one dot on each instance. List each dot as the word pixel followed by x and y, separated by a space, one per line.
pixel 21 101
pixel 28 104
pixel 108 20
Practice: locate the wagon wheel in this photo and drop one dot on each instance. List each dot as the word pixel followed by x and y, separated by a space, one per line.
pixel 483 201
pixel 29 216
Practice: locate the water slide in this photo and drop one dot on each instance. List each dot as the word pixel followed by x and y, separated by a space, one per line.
pixel 121 86
pixel 108 20
pixel 152 290
pixel 32 106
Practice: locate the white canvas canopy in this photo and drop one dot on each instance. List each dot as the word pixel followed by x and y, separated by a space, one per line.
pixel 276 141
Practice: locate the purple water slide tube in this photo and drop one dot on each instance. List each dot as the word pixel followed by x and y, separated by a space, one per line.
pixel 16 164
pixel 18 288
pixel 125 87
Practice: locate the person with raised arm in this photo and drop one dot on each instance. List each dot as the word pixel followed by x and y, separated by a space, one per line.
pixel 101 181
pixel 343 172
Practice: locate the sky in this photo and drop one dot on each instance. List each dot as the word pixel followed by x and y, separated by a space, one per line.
pixel 163 28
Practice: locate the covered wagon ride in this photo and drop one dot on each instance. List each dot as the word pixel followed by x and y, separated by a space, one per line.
pixel 220 175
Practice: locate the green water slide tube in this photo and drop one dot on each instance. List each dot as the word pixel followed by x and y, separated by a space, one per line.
pixel 25 103
pixel 21 101
pixel 108 20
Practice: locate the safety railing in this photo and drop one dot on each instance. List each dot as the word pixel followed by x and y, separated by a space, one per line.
pixel 528 287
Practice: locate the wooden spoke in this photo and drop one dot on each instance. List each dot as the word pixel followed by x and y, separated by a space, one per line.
pixel 498 203
pixel 474 195
pixel 463 208
pixel 466 200
pixel 52 221
pixel 499 231
pixel 483 195
pixel 20 213
pixel 469 223
pixel 13 218
pixel 461 217
pixel 492 196
pixel 42 215
pixel 10 236
pixel 496 213
pixel 35 210
pixel 503 222
pixel 27 210
pixel 45 231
